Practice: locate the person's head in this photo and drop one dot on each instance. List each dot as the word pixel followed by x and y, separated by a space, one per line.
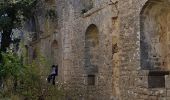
pixel 53 66
pixel 56 66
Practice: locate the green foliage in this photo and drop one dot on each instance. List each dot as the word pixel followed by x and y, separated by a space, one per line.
pixel 4 21
pixel 11 65
pixel 13 13
pixel 26 80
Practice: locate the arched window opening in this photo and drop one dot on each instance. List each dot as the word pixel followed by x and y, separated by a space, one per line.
pixel 91 49
pixel 155 35
pixel 54 52
pixel 91 37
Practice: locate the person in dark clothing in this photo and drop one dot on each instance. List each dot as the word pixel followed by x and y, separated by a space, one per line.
pixel 53 74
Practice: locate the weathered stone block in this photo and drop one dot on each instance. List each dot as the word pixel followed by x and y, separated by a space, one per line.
pixel 167 81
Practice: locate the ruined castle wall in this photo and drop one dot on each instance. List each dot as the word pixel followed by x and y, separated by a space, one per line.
pixel 113 64
pixel 74 30
pixel 47 33
pixel 136 83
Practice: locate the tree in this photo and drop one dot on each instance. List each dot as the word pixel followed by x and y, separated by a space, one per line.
pixel 12 14
pixel 24 81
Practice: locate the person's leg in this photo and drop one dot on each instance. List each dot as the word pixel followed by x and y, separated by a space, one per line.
pixel 49 78
pixel 53 77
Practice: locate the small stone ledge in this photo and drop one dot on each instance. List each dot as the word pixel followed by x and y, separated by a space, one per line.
pixel 153 72
pixel 143 72
pixel 45 36
pixel 41 37
pixel 33 42
pixel 158 73
pixel 92 11
pixel 96 9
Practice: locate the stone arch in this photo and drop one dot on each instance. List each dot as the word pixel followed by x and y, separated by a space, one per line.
pixel 155 34
pixel 54 52
pixel 91 49
pixel 91 36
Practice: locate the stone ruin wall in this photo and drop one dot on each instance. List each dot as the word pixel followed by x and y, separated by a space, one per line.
pixel 121 44
pixel 139 81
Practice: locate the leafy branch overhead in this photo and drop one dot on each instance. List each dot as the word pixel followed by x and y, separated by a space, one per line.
pixel 12 15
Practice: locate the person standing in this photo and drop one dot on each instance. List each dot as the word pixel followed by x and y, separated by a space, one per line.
pixel 53 74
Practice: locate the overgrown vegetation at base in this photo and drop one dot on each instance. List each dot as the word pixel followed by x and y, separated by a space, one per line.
pixel 26 81
pixel 20 79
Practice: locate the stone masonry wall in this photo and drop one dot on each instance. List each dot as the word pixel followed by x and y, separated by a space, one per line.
pixel 119 74
pixel 75 28
pixel 134 80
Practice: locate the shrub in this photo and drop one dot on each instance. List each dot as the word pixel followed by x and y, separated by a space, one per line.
pixel 26 81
